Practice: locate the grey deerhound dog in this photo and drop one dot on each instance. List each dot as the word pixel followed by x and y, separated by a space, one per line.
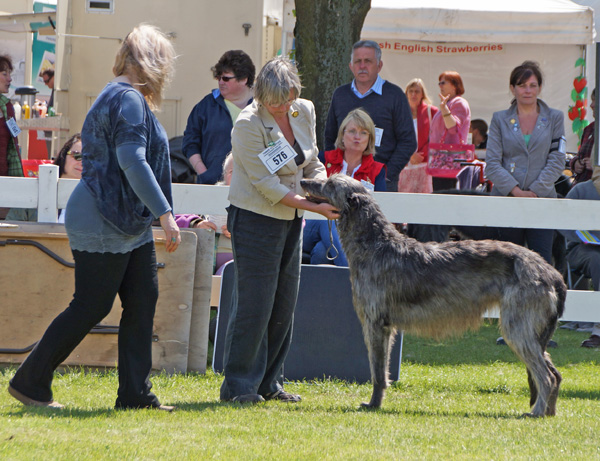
pixel 442 289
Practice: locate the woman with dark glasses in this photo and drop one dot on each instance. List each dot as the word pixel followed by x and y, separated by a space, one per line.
pixel 207 136
pixel 68 159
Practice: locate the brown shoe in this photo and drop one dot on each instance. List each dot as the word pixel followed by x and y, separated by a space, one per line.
pixel 592 341
pixel 33 403
pixel 248 398
pixel 168 408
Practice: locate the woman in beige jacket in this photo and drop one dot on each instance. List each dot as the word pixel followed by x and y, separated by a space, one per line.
pixel 274 147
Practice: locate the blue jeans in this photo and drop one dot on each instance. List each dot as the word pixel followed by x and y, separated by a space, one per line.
pixel 316 242
pixel 98 279
pixel 266 258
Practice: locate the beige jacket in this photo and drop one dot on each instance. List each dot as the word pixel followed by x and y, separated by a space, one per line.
pixel 252 187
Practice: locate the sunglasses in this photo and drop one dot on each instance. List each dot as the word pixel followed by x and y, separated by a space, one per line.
pixel 441 83
pixel 76 155
pixel 225 79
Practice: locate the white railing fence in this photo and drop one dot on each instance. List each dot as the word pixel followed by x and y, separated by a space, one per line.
pixel 48 194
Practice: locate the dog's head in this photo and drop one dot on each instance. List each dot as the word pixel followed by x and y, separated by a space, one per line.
pixel 339 190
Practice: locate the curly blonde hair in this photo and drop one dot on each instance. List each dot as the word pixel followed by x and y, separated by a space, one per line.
pixel 150 56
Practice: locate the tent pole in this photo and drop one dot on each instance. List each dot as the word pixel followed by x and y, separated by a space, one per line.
pixel 596 149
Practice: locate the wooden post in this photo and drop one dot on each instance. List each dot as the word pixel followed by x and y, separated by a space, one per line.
pixel 48 194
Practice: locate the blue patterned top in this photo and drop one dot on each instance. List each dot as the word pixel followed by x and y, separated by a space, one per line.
pixel 126 178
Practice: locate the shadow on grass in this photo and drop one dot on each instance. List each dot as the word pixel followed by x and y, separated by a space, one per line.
pixel 479 348
pixel 578 394
pixel 438 413
pixel 79 413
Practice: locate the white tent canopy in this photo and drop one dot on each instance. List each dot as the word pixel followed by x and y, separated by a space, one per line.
pixel 484 41
pixel 560 22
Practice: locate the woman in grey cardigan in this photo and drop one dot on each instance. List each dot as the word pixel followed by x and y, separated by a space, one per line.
pixel 526 152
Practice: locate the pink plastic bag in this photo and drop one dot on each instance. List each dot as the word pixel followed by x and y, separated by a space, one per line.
pixel 444 160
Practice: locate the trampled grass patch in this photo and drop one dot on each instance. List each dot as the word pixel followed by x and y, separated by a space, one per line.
pixel 460 399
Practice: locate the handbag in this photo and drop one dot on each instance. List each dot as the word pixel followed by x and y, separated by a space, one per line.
pixel 444 160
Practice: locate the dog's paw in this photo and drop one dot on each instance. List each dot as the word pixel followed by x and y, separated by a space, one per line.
pixel 368 406
pixel 530 415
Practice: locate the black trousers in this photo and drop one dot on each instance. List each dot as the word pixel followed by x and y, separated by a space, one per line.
pixel 99 277
pixel 267 257
pixel 538 240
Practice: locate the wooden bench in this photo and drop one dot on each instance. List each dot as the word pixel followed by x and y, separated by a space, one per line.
pixel 36 287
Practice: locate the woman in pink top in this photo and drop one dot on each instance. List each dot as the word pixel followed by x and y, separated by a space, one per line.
pixel 451 124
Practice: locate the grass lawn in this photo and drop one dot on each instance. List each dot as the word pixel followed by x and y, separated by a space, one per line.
pixel 460 399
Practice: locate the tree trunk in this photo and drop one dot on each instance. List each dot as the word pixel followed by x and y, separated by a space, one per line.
pixel 325 32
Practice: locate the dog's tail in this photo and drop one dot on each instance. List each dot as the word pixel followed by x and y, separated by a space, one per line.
pixel 561 294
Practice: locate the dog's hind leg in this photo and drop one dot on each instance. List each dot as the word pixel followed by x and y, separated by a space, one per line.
pixel 377 338
pixel 544 380
pixel 532 389
pixel 551 408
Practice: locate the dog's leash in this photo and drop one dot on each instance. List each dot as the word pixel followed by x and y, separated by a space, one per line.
pixel 331 246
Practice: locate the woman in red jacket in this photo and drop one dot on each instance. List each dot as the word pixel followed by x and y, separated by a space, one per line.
pixel 353 156
pixel 413 177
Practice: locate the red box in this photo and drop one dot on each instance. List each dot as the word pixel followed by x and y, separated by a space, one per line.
pixel 31 167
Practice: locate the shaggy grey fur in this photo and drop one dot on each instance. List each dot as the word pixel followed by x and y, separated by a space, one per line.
pixel 442 289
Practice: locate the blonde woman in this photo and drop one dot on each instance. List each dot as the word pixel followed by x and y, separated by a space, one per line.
pixel 265 221
pixel 125 185
pixel 353 156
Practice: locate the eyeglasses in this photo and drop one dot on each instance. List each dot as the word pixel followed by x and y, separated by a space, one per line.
pixel 353 132
pixel 441 83
pixel 225 78
pixel 289 102
pixel 76 155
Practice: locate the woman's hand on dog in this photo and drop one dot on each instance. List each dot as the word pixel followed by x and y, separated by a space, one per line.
pixel 302 203
pixel 327 210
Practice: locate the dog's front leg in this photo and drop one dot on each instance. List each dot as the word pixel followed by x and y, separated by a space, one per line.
pixel 377 339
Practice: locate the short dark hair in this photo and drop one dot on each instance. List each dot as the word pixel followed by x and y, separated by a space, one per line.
pixel 6 63
pixel 237 62
pixel 61 158
pixel 454 78
pixel 49 73
pixel 479 125
pixel 522 73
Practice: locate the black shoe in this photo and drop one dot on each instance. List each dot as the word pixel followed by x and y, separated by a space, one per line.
pixel 283 397
pixel 592 341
